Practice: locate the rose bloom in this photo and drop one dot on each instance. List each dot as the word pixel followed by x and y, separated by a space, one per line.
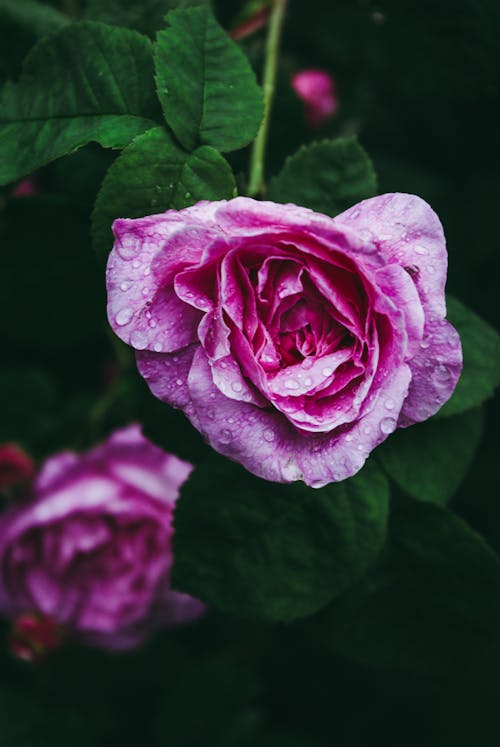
pixel 295 343
pixel 316 89
pixel 92 548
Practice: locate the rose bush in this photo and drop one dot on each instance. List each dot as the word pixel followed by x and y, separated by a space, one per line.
pixel 294 342
pixel 92 547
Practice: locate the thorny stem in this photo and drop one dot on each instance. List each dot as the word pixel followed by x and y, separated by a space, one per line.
pixel 256 181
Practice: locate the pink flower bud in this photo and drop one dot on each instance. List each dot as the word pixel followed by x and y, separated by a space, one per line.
pixel 34 635
pixel 316 89
pixel 16 468
pixel 26 188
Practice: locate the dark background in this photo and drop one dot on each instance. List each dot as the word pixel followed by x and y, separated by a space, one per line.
pixel 419 83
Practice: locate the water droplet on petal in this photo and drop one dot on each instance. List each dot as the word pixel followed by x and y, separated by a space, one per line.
pixel 389 403
pixel 387 425
pixel 327 371
pixel 291 384
pixel 158 347
pixel 124 286
pixel 124 316
pixel 179 382
pixel 442 373
pixel 307 363
pixel 421 250
pixel 236 386
pixel 136 263
pixel 424 344
pixel 269 434
pixel 138 340
pixel 226 436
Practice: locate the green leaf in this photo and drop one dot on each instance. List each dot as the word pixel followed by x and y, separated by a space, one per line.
pixel 51 299
pixel 430 460
pixel 270 551
pixel 38 18
pixel 154 174
pixel 327 177
pixel 433 604
pixel 205 84
pixel 146 16
pixel 87 82
pixel 481 351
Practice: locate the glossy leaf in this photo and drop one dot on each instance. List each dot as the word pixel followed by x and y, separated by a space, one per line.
pixel 327 177
pixel 205 84
pixel 87 82
pixel 275 552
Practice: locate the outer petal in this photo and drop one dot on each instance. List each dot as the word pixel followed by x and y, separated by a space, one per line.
pixel 407 232
pixel 435 371
pixel 270 447
pixel 166 374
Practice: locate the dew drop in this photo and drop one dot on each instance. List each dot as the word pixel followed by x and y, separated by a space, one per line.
pixel 158 347
pixel 124 316
pixel 421 250
pixel 152 323
pixel 124 286
pixel 179 382
pixel 307 363
pixel 291 384
pixel 236 386
pixel 442 373
pixel 367 429
pixel 308 381
pixel 226 436
pixel 387 425
pixel 269 435
pixel 138 340
pixel 389 403
pixel 424 344
pixel 210 413
pixel 327 371
pixel 136 263
pixel 146 271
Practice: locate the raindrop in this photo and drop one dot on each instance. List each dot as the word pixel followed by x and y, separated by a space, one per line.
pixel 138 340
pixel 327 371
pixel 442 373
pixel 421 250
pixel 308 381
pixel 136 263
pixel 424 344
pixel 387 425
pixel 389 403
pixel 307 363
pixel 152 323
pixel 147 271
pixel 179 382
pixel 210 413
pixel 124 286
pixel 236 386
pixel 226 436
pixel 291 384
pixel 269 434
pixel 124 316
pixel 158 347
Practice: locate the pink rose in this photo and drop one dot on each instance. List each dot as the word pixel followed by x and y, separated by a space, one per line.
pixel 92 548
pixel 294 342
pixel 316 89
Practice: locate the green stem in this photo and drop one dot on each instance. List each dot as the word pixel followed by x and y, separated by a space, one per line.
pixel 256 181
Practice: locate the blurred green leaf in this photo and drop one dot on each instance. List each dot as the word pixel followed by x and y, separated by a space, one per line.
pixel 53 292
pixel 87 82
pixel 153 174
pixel 327 177
pixel 223 694
pixel 275 552
pixel 431 606
pixel 38 17
pixel 205 84
pixel 429 460
pixel 146 16
pixel 481 351
pixel 26 722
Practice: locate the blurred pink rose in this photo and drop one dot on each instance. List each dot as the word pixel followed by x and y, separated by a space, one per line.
pixel 316 89
pixel 295 343
pixel 93 547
